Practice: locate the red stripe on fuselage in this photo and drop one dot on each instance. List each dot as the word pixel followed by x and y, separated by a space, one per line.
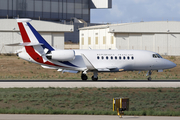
pixel 30 49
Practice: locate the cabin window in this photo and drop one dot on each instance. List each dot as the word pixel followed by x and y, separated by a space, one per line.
pixel 120 57
pixel 116 58
pixel 111 57
pixel 98 57
pixel 124 57
pixel 159 56
pixel 128 57
pixel 154 56
pixel 107 57
pixel 132 58
pixel 102 57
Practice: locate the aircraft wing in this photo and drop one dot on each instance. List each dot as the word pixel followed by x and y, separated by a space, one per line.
pixel 88 63
pixel 60 70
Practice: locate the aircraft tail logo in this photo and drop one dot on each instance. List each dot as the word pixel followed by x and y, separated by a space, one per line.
pixel 30 36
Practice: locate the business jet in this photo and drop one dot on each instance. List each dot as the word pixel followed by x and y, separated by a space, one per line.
pixel 37 50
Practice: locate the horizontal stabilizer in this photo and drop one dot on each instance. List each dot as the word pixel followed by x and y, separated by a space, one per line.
pixel 24 44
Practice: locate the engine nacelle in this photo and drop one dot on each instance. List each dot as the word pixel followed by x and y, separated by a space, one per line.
pixel 61 55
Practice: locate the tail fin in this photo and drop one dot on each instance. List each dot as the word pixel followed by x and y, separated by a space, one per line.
pixel 34 43
pixel 30 35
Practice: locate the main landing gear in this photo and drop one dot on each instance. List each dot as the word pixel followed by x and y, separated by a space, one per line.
pixel 149 74
pixel 95 76
pixel 84 77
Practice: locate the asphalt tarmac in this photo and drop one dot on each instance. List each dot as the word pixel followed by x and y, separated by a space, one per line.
pixel 80 117
pixel 89 81
pixel 97 84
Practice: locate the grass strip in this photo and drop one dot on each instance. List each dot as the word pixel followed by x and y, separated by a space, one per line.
pixel 91 101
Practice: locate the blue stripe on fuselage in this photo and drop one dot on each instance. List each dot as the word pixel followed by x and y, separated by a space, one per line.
pixel 68 63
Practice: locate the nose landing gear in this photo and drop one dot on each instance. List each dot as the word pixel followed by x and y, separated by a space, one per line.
pixel 149 74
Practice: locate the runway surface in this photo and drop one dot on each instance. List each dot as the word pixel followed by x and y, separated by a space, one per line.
pixel 80 117
pixel 98 84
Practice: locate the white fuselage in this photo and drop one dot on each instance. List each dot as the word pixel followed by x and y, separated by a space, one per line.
pixel 110 61
pixel 37 50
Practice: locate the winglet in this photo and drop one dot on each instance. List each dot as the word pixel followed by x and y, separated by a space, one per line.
pixel 88 63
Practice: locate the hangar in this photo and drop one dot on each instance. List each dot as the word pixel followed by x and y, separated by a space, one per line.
pixel 162 37
pixel 51 31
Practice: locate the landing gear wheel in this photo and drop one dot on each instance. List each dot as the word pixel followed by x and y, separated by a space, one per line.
pixel 149 78
pixel 149 74
pixel 94 79
pixel 84 77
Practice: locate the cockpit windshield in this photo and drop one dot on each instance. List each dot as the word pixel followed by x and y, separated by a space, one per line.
pixel 156 56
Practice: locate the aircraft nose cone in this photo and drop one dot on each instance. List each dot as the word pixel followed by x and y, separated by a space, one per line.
pixel 171 64
pixel 174 65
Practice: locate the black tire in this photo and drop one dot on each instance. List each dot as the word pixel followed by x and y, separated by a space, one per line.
pixel 149 78
pixel 94 79
pixel 84 77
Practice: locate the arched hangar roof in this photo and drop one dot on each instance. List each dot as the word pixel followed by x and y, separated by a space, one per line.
pixel 141 27
pixel 147 27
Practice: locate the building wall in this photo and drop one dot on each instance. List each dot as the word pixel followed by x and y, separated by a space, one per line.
pixel 54 39
pixel 8 38
pixel 164 44
pixel 46 9
pixel 96 39
pixel 162 37
pixel 52 32
pixel 94 4
pixel 58 40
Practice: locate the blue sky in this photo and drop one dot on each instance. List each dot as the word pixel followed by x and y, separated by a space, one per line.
pixel 138 10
